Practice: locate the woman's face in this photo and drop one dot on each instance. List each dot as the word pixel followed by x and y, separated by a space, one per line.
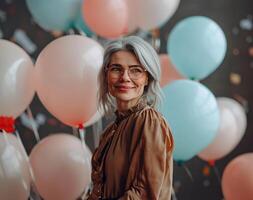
pixel 126 78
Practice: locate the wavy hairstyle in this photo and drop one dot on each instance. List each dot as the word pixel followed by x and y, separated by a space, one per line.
pixel 149 59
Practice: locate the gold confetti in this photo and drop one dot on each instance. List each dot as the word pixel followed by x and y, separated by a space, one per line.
pixel 235 78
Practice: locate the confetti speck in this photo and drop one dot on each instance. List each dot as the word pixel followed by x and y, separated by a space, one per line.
pixel 235 78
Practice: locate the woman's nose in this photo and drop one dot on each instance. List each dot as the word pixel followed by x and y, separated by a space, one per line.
pixel 125 75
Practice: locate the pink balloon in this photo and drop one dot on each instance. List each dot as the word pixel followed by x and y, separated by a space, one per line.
pixel 66 78
pixel 168 72
pixel 61 167
pixel 16 79
pixel 15 179
pixel 229 133
pixel 237 179
pixel 107 18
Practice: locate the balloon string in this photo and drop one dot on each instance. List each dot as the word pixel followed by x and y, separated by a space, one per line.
pixel 216 171
pixel 82 134
pixel 188 172
pixel 174 197
pixel 35 130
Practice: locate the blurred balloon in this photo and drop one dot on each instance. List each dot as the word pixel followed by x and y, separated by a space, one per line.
pixel 15 179
pixel 61 167
pixel 66 78
pixel 237 179
pixel 197 46
pixel 107 18
pixel 192 112
pixel 44 13
pixel 239 113
pixel 229 133
pixel 169 73
pixel 16 79
pixel 149 14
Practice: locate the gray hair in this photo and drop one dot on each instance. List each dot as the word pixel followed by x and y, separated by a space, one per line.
pixel 147 56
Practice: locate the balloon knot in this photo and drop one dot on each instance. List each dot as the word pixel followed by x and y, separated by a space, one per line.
pixel 7 124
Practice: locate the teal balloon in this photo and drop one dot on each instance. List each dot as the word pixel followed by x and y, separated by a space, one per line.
pixel 192 112
pixel 54 15
pixel 197 46
pixel 80 25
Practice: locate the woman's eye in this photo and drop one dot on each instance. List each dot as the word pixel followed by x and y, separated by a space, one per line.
pixel 116 69
pixel 136 70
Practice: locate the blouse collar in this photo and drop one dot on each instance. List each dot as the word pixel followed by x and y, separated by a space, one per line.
pixel 123 114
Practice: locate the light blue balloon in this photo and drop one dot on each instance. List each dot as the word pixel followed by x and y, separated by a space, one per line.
pixel 54 14
pixel 192 112
pixel 197 46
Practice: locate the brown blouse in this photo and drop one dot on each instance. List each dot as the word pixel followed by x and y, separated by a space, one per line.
pixel 134 158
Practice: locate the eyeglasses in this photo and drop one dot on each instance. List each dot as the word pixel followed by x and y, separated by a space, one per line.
pixel 134 72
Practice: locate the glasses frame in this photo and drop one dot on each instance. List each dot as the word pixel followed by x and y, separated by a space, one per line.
pixel 123 71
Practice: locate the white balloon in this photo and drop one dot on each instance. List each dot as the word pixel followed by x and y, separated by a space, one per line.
pixel 15 176
pixel 231 130
pixel 16 79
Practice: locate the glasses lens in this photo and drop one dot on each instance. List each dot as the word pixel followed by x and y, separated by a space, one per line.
pixel 133 72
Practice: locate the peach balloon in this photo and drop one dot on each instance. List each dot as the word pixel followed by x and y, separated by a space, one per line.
pixel 16 79
pixel 66 78
pixel 237 179
pixel 168 72
pixel 61 167
pixel 107 18
pixel 15 179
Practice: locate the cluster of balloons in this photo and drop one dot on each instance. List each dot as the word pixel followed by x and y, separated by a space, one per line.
pixel 59 166
pixel 107 18
pixel 62 77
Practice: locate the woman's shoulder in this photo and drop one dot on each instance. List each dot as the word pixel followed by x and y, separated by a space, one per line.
pixel 150 113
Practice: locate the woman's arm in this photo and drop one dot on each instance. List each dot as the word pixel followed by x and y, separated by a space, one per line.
pixel 155 158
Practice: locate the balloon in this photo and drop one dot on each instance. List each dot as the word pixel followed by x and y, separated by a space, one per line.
pixel 107 18
pixel 66 78
pixel 197 46
pixel 61 167
pixel 15 179
pixel 237 178
pixel 16 79
pixel 44 13
pixel 192 112
pixel 169 73
pixel 239 113
pixel 150 14
pixel 229 133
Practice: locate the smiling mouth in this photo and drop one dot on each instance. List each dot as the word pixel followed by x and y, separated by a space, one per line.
pixel 123 88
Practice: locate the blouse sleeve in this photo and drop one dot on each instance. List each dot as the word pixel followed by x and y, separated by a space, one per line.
pixel 156 148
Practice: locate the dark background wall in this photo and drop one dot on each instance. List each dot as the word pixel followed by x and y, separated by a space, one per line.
pixel 196 180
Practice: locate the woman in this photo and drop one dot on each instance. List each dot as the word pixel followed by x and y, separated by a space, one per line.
pixel 134 156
